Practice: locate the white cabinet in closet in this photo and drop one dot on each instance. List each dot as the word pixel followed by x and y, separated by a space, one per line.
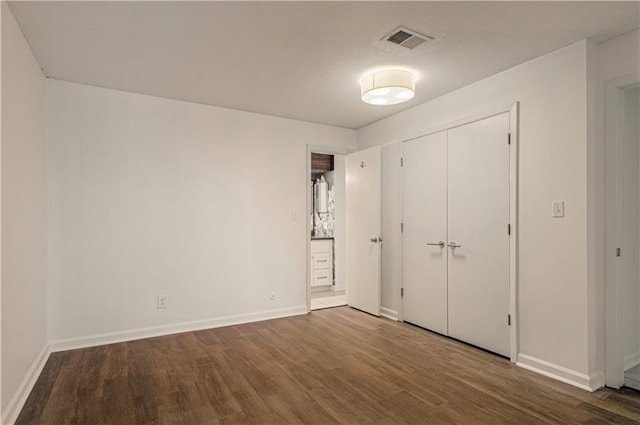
pixel 321 262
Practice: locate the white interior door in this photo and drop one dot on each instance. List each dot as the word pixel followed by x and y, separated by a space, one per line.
pixel 478 214
pixel 424 214
pixel 363 230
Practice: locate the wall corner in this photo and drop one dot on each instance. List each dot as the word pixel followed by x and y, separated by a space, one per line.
pixel 595 214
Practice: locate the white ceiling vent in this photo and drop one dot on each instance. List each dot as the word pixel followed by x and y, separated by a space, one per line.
pixel 407 38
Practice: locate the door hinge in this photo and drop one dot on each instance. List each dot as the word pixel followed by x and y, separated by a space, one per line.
pixel 401 227
pixel 401 161
pixel 618 252
pixel 508 319
pixel 401 292
pixel 508 138
pixel 508 229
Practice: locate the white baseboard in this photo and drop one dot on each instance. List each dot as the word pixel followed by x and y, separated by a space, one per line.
pixel 388 313
pixel 560 373
pixel 16 403
pixel 114 337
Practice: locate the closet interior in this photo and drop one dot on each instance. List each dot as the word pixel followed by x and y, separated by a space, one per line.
pixel 326 268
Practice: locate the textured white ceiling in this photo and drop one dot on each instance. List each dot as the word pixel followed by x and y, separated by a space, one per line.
pixel 300 60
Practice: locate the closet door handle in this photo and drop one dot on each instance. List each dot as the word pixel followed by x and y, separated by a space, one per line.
pixel 440 244
pixel 374 240
pixel 452 244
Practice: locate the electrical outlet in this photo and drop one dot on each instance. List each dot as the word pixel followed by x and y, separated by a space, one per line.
pixel 557 209
pixel 272 296
pixel 162 302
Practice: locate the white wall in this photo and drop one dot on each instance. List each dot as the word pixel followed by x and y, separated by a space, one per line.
pixel 552 276
pixel 2 7
pixel 150 196
pixel 595 221
pixel 24 327
pixel 619 56
pixel 391 302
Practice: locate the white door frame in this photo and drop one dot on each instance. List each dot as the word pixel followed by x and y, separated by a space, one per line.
pixel 330 150
pixel 513 110
pixel 614 96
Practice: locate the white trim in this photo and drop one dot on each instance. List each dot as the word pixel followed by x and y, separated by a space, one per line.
pixel 388 313
pixel 114 337
pixel 483 114
pixel 14 407
pixel 401 306
pixel 1 144
pixel 514 119
pixel 560 373
pixel 614 363
pixel 330 150
pixel 514 131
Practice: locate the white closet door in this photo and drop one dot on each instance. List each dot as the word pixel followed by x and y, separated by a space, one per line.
pixel 424 214
pixel 478 199
pixel 363 230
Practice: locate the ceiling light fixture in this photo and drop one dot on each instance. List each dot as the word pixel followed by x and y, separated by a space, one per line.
pixel 388 87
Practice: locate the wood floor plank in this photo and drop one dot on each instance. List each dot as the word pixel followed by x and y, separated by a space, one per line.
pixel 333 366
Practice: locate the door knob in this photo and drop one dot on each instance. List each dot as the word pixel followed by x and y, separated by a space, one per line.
pixel 452 244
pixel 440 244
pixel 374 240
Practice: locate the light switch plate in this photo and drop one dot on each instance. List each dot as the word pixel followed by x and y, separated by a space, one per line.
pixel 294 215
pixel 162 302
pixel 557 209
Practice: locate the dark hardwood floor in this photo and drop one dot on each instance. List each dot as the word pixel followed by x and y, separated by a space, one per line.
pixel 335 366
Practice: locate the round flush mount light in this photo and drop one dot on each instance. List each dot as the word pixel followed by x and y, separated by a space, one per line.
pixel 388 87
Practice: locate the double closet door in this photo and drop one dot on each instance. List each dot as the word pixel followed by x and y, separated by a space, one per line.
pixel 456 234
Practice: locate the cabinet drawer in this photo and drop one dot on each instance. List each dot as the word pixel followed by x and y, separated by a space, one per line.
pixel 321 260
pixel 322 277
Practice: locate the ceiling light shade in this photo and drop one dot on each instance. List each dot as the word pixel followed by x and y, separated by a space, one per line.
pixel 388 87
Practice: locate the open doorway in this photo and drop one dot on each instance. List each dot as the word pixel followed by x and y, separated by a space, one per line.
pixel 630 237
pixel 623 234
pixel 327 286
